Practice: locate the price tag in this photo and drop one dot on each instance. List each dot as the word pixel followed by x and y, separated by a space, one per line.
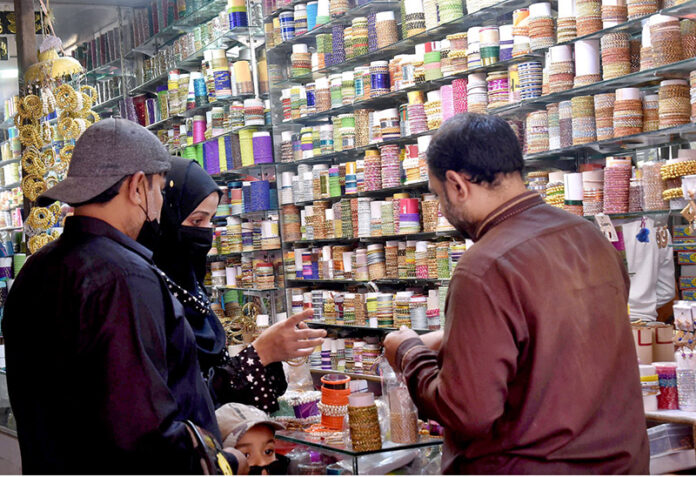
pixel 607 227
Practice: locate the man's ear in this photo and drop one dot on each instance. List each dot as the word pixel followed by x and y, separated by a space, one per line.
pixel 136 194
pixel 456 185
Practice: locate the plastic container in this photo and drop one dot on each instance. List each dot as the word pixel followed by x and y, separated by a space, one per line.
pixel 669 438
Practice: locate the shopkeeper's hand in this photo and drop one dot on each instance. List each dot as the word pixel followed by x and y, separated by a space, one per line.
pixel 288 339
pixel 433 340
pixel 392 342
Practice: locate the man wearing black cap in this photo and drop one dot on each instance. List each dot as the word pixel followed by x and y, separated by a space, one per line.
pixel 101 363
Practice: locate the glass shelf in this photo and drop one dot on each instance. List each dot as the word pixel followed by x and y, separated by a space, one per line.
pixel 373 193
pixel 347 155
pixel 207 12
pixel 299 437
pixel 112 68
pixel 635 215
pixel 9 161
pixel 486 16
pixel 678 70
pixel 189 113
pixel 286 8
pixel 11 186
pixel 251 290
pixel 635 26
pixel 193 61
pixel 686 132
pixel 366 377
pixel 381 281
pixel 318 281
pixel 360 11
pixel 357 328
pixel 231 174
pixel 8 123
pixel 419 236
pixel 109 103
pixel 223 134
pixel 389 99
pixel 215 258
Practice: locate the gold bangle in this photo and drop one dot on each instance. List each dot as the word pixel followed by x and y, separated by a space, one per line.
pixel 671 194
pixel 31 107
pixel 32 162
pixel 29 136
pixel 66 98
pixel 55 209
pixel 91 92
pixel 41 218
pixel 92 117
pixel 33 186
pixel 68 127
pixel 37 241
pixel 49 158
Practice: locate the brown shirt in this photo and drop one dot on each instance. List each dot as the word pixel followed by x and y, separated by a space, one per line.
pixel 537 372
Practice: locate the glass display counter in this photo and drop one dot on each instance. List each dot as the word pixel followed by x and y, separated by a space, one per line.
pixel 391 456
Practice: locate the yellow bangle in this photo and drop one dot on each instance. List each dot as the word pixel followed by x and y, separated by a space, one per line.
pixel 66 98
pixel 41 218
pixel 32 162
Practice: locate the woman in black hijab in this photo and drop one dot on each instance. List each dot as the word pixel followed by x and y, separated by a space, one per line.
pixel 255 376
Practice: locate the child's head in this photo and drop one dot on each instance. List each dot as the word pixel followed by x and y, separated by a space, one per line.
pixel 250 431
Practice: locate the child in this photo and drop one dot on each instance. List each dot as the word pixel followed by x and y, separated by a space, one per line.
pixel 252 432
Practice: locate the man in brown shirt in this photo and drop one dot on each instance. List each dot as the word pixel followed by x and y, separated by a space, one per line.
pixel 536 370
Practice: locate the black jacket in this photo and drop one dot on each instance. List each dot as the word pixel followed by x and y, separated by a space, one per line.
pixel 101 363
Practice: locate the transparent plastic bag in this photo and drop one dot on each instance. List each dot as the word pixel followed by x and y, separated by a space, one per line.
pixel 403 415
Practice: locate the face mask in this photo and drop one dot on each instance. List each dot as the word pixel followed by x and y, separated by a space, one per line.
pixel 197 242
pixel 150 232
pixel 277 467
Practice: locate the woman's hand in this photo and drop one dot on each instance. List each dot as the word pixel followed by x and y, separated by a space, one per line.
pixel 288 339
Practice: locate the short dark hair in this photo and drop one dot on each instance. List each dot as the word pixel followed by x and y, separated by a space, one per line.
pixel 481 145
pixel 106 196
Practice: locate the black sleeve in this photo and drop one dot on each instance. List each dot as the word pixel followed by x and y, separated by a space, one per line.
pixel 243 379
pixel 129 358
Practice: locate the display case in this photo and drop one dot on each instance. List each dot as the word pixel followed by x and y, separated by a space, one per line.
pixel 390 457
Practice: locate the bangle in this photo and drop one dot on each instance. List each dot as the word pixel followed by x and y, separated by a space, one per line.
pixel 33 186
pixel 32 162
pixel 332 410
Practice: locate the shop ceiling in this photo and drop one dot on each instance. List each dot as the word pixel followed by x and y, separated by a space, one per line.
pixel 77 21
pixel 119 3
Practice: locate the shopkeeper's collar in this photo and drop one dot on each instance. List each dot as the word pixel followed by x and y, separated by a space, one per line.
pixel 509 209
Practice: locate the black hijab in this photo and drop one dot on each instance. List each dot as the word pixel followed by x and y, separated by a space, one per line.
pixel 187 186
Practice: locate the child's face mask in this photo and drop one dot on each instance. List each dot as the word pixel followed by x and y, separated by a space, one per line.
pixel 277 467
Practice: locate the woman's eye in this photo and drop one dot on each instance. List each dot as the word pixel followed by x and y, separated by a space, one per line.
pixel 270 451
pixel 247 455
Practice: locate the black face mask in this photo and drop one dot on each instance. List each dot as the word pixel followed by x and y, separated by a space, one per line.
pixel 197 242
pixel 150 234
pixel 277 467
